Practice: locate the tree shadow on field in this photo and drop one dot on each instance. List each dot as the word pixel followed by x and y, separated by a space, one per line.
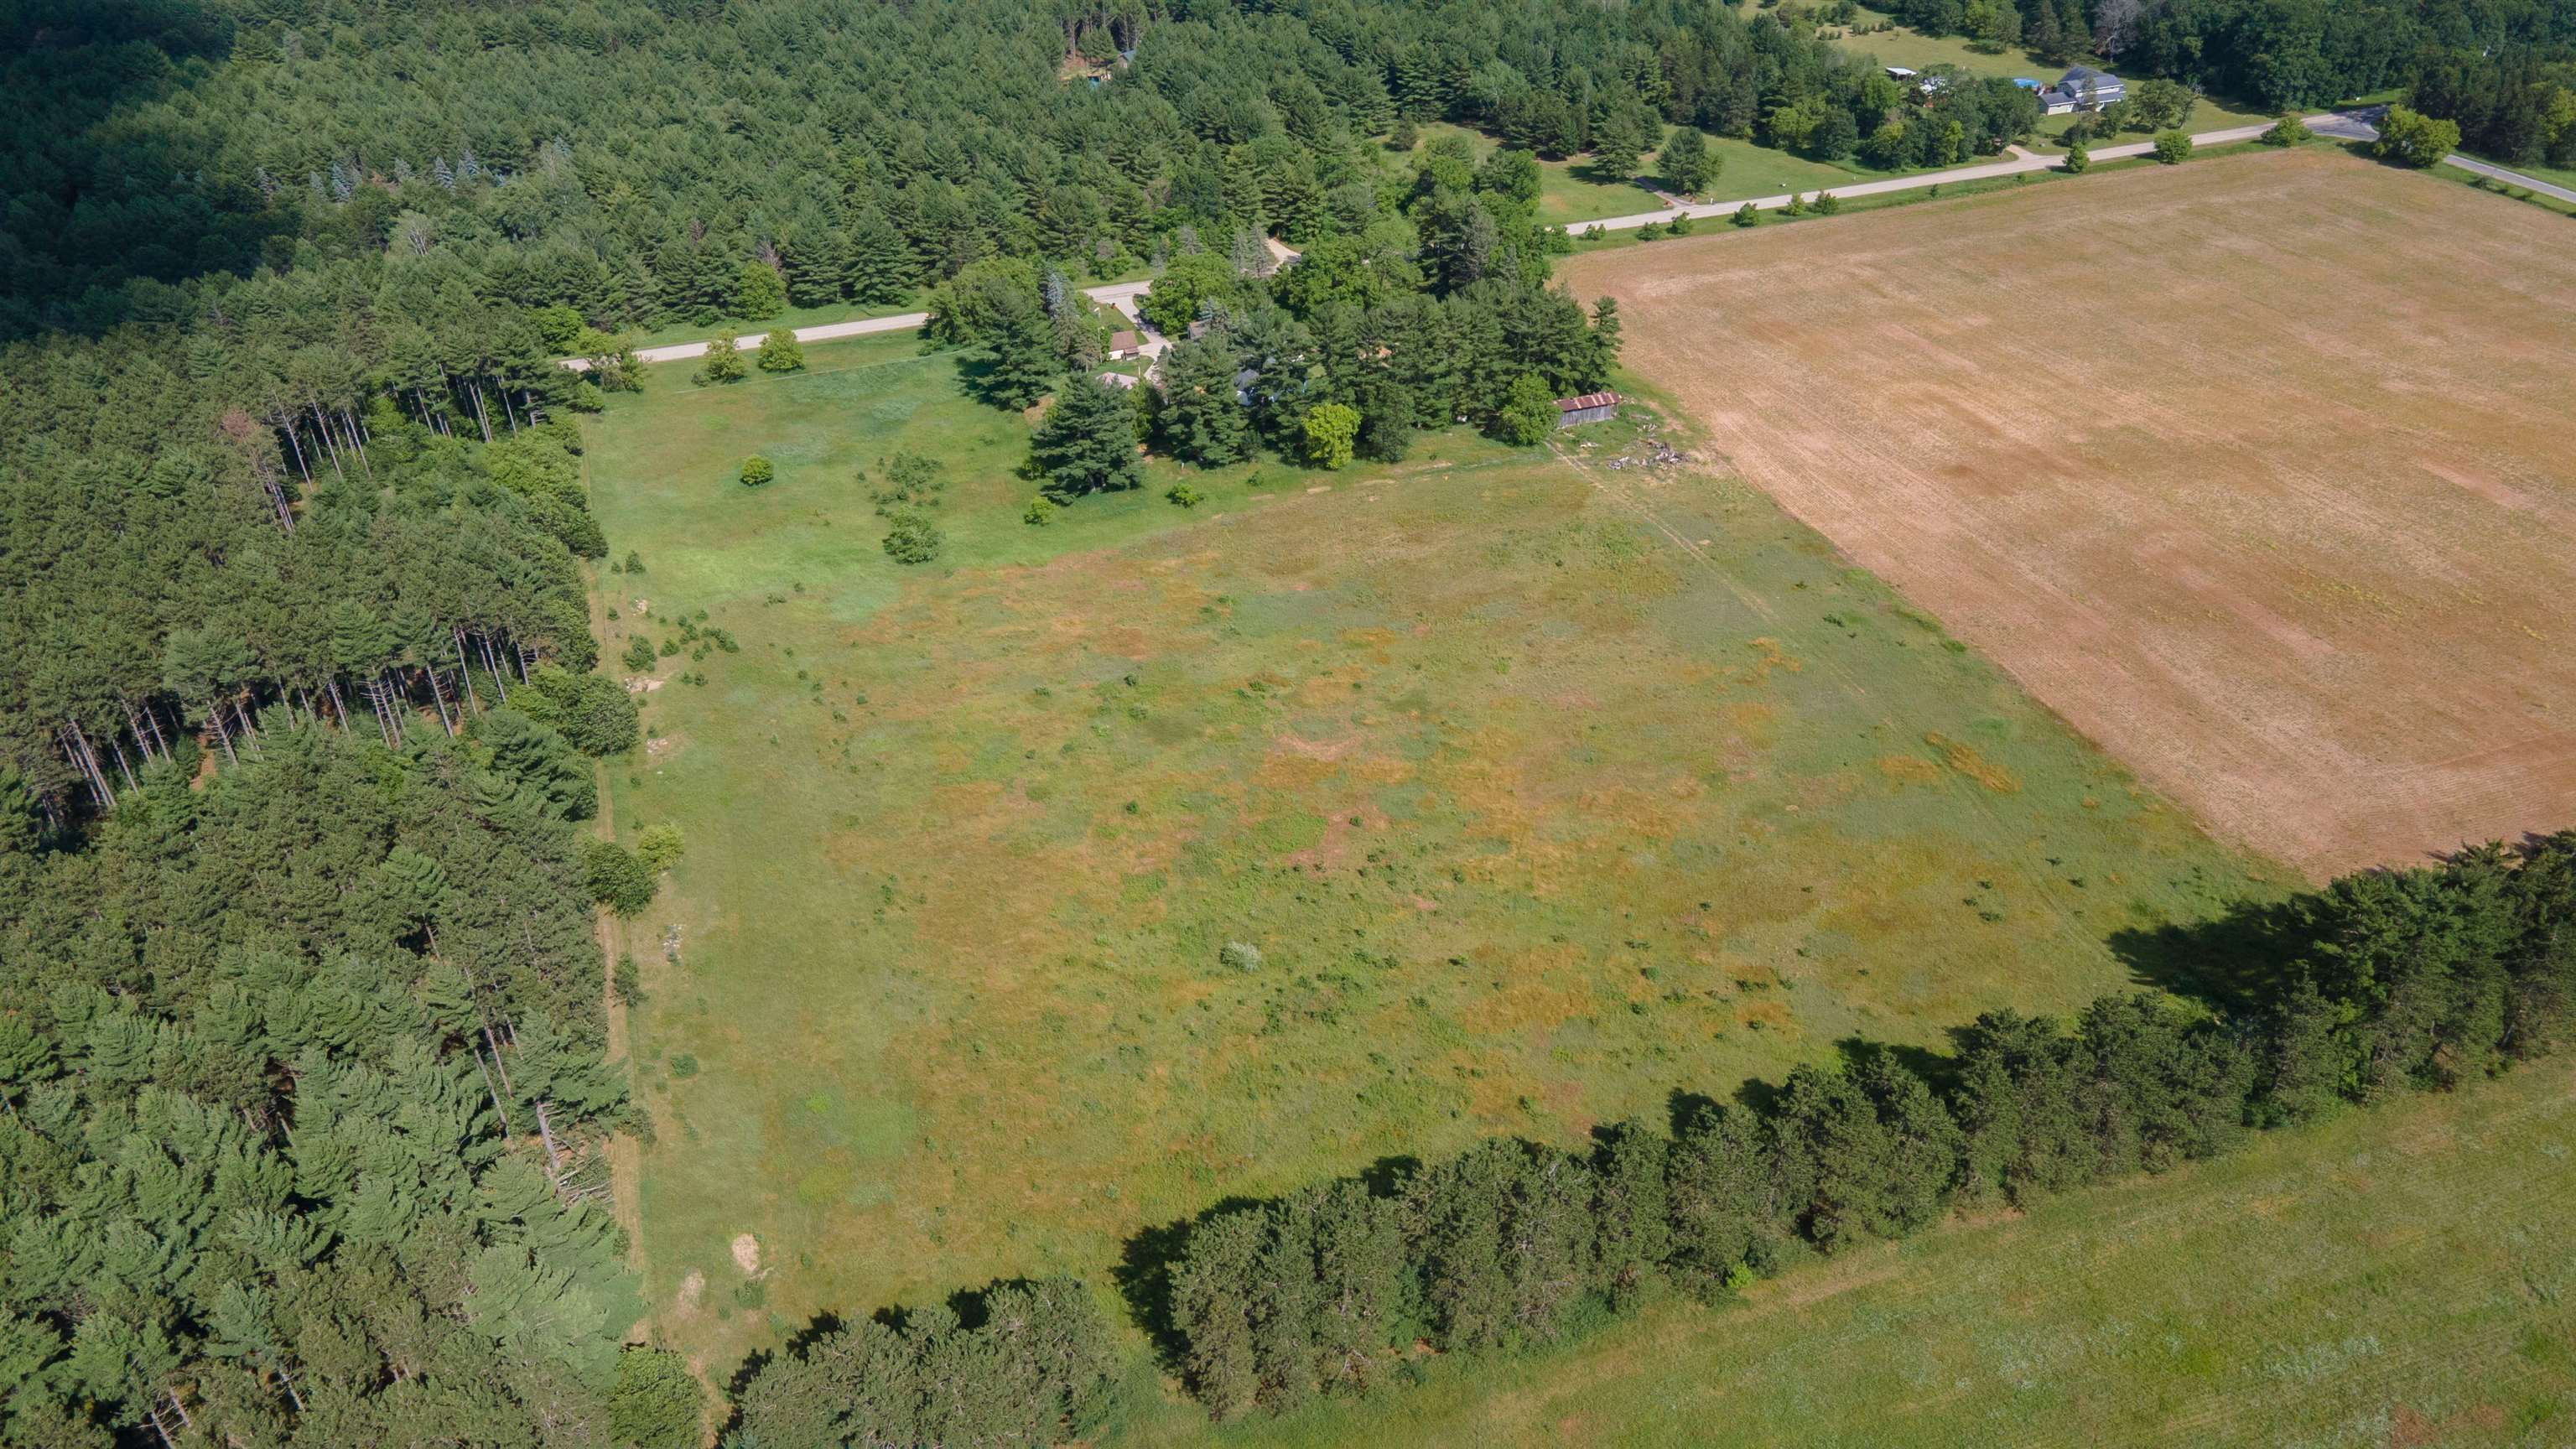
pixel 2236 962
pixel 1938 1070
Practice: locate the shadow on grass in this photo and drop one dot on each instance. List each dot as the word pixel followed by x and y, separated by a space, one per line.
pixel 2235 962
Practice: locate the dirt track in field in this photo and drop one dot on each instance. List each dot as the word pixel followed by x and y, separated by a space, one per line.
pixel 2260 471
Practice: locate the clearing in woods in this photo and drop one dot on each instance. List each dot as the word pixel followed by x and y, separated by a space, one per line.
pixel 2256 471
pixel 1533 818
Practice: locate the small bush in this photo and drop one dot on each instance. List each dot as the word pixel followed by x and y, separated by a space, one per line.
pixel 634 562
pixel 2172 147
pixel 1039 513
pixel 2287 131
pixel 2078 160
pixel 683 1066
pixel 780 352
pixel 660 846
pixel 757 472
pixel 1186 495
pixel 1682 224
pixel 911 538
pixel 618 879
pixel 1748 215
pixel 1651 231
pixel 1239 956
pixel 1827 203
pixel 626 983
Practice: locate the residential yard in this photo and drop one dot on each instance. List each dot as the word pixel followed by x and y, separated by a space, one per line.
pixel 1918 51
pixel 2396 1277
pixel 2277 511
pixel 1571 194
pixel 1540 790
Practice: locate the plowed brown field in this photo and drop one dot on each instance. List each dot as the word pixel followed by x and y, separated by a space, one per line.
pixel 2262 472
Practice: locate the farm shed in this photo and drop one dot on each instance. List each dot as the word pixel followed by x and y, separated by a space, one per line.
pixel 1591 407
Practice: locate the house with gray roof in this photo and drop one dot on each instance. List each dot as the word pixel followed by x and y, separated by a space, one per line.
pixel 2082 88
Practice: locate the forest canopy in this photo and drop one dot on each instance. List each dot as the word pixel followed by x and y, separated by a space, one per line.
pixel 303 1059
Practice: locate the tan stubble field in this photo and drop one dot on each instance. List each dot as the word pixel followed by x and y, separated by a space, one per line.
pixel 2260 471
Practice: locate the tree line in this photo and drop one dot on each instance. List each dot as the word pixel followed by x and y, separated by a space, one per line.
pixel 2419 979
pixel 2505 71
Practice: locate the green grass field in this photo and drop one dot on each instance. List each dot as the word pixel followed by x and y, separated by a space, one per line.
pixel 2395 1277
pixel 1571 194
pixel 1917 51
pixel 1543 792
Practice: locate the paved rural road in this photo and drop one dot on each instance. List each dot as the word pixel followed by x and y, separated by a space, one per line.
pixel 2341 125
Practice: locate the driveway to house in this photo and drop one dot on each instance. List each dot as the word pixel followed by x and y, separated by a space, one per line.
pixel 2354 125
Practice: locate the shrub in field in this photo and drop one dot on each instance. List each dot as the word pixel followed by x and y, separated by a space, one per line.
pixel 1827 203
pixel 2172 147
pixel 1040 512
pixel 660 847
pixel 724 361
pixel 1239 956
pixel 1748 215
pixel 639 653
pixel 911 538
pixel 2287 131
pixel 1331 430
pixel 2078 159
pixel 618 879
pixel 780 352
pixel 1187 495
pixel 757 471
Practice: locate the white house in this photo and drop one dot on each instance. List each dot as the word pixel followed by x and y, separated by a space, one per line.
pixel 2082 88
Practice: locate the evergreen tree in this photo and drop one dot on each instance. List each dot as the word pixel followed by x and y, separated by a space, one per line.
pixel 882 268
pixel 1202 416
pixel 1087 442
pixel 1688 166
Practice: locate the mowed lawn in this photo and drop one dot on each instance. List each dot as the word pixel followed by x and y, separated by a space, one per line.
pixel 1541 792
pixel 2395 1277
pixel 1573 191
pixel 1917 51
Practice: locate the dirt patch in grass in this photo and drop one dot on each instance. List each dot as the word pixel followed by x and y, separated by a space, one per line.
pixel 2256 471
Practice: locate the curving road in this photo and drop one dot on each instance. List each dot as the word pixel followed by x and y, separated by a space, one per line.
pixel 2341 125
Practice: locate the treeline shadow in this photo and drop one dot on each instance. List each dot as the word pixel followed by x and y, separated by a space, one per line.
pixel 2234 962
pixel 98 200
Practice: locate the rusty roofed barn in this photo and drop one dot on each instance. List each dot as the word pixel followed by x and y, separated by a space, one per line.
pixel 1591 407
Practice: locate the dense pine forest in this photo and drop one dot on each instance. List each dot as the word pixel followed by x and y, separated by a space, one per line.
pixel 302 1076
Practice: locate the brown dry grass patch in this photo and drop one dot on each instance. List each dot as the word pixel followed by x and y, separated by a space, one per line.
pixel 2257 471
